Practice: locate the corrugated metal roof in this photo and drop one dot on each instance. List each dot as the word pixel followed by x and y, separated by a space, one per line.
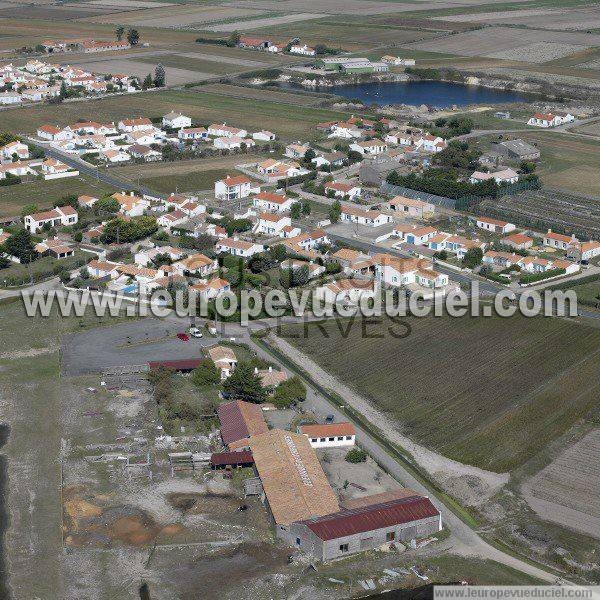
pixel 186 364
pixel 221 459
pixel 369 518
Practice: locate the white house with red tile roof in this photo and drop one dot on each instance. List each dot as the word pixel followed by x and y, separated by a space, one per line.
pixel 501 259
pixel 296 150
pixel 172 219
pixel 238 247
pixel 411 207
pixel 176 120
pixel 146 256
pixel 12 149
pixel 311 239
pixel 269 201
pixel 114 156
pixel 587 250
pixel 233 187
pixel 343 189
pixel 519 241
pixel 534 264
pixel 61 216
pixel 54 133
pixel 233 142
pixel 503 176
pixel 361 216
pixel 430 143
pixel 54 247
pixel 345 131
pixel 137 124
pixel 197 265
pixel 370 147
pixel 456 244
pixel 558 240
pixel 55 169
pixel 270 224
pixel 302 49
pixel 546 120
pixel 85 200
pixel 314 269
pixel 103 268
pixel 494 225
pixel 193 133
pixel 329 435
pixel 207 290
pixel 225 131
pixel 346 291
pixel 131 205
pixel 393 271
pixel 264 136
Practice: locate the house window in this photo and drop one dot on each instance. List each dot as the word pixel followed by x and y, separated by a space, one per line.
pixel 340 438
pixel 390 536
pixel 348 437
pixel 343 547
pixel 332 439
pixel 322 440
pixel 313 440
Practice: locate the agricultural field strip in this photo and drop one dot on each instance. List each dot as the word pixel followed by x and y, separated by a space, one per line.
pixel 265 22
pixel 493 377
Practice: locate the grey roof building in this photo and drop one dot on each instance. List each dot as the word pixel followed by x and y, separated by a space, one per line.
pixel 517 149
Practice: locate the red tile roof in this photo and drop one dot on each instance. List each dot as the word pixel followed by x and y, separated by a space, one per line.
pixel 368 518
pixel 329 429
pixel 221 459
pixel 240 420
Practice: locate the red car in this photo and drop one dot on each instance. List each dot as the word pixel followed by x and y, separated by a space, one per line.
pixel 184 337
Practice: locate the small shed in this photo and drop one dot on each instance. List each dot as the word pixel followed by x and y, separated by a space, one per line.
pixel 220 460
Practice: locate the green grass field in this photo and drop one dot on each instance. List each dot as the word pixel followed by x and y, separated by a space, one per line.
pixel 45 193
pixel 188 182
pixel 489 392
pixel 291 122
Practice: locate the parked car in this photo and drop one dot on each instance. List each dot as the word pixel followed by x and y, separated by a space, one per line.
pixel 184 337
pixel 195 332
pixel 330 419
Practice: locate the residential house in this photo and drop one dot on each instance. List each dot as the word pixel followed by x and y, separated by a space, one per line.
pixel 518 241
pixel 131 205
pixel 175 120
pixel 14 149
pixel 145 153
pixel 238 247
pixel 103 268
pixel 302 49
pixel 346 291
pixel 494 225
pixel 272 202
pixel 193 133
pixel 171 219
pixel 329 159
pixel 417 209
pixel 225 131
pixel 87 201
pixel 233 187
pixel 396 272
pixel 196 265
pixel 533 264
pixel 343 189
pixel 114 156
pixel 137 124
pixel 503 176
pixel 144 137
pixel 145 257
pixel 208 290
pixel 264 136
pixel 270 378
pixel 270 224
pixel 430 143
pixel 345 131
pixel 546 120
pixel 296 150
pixel 55 248
pixel 225 360
pixel 369 147
pixel 418 236
pixel 456 244
pixel 501 259
pixel 370 218
pixel 558 241
pixel 232 143
pixel 314 269
pixel 61 216
pixel 53 133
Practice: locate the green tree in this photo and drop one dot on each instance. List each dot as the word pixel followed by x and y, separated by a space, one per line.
pixel 234 39
pixel 133 37
pixel 20 244
pixel 64 92
pixel 245 384
pixel 107 205
pixel 160 77
pixel 356 455
pixel 289 392
pixel 148 82
pixel 528 166
pixel 472 257
pixel 335 211
pixel 119 31
pixel 296 210
pixel 28 209
pixel 206 374
pixel 306 208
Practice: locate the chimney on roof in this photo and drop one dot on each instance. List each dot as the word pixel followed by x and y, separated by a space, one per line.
pixel 270 369
pixel 549 230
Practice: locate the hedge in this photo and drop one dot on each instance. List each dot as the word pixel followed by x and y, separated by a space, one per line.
pixel 541 276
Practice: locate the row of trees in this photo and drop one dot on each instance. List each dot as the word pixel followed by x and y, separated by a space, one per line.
pixel 133 35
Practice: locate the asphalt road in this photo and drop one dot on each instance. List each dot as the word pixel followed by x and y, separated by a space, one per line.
pixel 99 173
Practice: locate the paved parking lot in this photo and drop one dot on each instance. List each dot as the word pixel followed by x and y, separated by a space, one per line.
pixel 131 343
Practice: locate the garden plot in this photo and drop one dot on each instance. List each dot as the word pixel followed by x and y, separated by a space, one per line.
pixel 266 22
pixel 176 15
pixel 537 18
pixel 125 4
pixel 505 42
pixel 566 491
